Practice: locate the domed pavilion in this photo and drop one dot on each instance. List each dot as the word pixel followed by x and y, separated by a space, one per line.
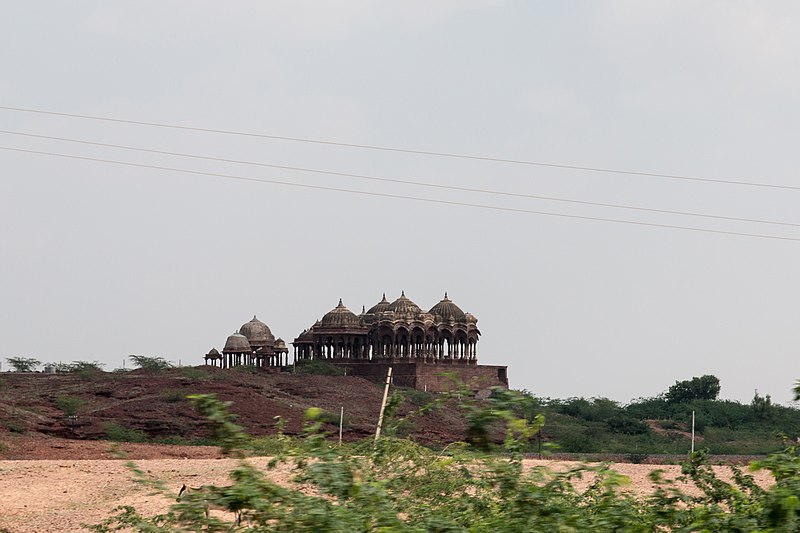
pixel 396 330
pixel 253 344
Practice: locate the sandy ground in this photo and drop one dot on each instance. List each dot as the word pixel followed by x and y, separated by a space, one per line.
pixel 62 494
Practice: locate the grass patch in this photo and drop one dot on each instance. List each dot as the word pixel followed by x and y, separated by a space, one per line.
pixel 193 373
pixel 317 367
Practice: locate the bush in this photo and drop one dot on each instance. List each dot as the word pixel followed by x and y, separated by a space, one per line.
pixel 627 425
pixel 23 364
pixel 193 373
pixel 118 433
pixel 83 367
pixel 15 424
pixel 150 364
pixel 173 395
pixel 70 405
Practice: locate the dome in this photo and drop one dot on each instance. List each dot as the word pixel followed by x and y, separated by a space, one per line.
pixel 404 306
pixel 339 317
pixel 257 332
pixel 280 344
pixel 237 343
pixel 446 310
pixel 379 307
pixel 307 335
pixel 212 353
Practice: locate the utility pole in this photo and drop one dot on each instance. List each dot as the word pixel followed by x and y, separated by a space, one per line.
pixel 341 424
pixel 383 404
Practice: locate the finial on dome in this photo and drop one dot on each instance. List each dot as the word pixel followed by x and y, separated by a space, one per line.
pixel 445 295
pixel 384 296
pixel 363 309
pixel 402 294
pixel 340 303
pixel 254 317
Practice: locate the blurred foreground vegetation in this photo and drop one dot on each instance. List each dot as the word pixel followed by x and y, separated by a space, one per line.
pixel 395 485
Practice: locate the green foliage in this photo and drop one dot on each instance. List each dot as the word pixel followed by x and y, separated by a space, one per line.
pixel 399 486
pixel 503 408
pixel 23 364
pixel 173 395
pixel 703 388
pixel 83 367
pixel 230 437
pixel 69 405
pixel 762 407
pixel 118 433
pixel 194 373
pixel 15 424
pixel 150 364
pixel 724 426
pixel 318 367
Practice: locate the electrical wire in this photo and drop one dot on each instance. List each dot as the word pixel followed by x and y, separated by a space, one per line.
pixel 403 197
pixel 404 182
pixel 405 150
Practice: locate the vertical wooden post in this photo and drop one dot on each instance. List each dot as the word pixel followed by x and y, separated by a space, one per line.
pixel 341 424
pixel 383 404
pixel 692 431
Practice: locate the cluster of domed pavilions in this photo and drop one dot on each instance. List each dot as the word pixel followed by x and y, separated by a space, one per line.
pixel 253 344
pixel 388 330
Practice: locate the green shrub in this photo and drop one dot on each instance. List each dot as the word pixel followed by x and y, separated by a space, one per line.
pixel 15 424
pixel 69 405
pixel 118 433
pixel 193 373
pixel 173 395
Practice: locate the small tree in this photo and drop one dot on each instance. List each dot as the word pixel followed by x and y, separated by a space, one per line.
pixel 151 364
pixel 70 405
pixel 86 366
pixel 23 364
pixel 703 388
pixel 762 407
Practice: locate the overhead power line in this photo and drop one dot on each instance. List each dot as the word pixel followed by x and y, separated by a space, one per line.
pixel 403 150
pixel 403 197
pixel 404 182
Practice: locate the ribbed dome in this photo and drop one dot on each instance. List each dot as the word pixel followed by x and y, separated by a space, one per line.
pixel 257 332
pixel 280 343
pixel 341 316
pixel 237 343
pixel 446 310
pixel 213 353
pixel 379 307
pixel 404 306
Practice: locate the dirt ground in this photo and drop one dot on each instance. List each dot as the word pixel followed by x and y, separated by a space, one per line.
pixel 58 485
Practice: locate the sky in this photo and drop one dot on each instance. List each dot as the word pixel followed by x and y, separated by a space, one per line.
pixel 101 260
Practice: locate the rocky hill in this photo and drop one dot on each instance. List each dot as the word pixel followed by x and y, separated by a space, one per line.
pixel 152 407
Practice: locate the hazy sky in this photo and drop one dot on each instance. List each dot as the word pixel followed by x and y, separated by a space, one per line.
pixel 98 261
